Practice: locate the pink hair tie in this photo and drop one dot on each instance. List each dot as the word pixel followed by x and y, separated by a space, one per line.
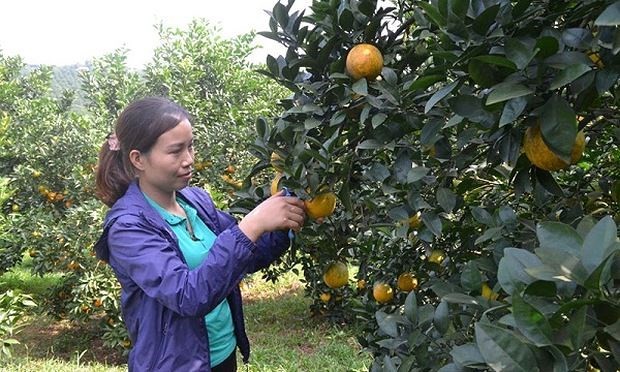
pixel 113 143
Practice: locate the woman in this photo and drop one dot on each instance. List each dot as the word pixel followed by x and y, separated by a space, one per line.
pixel 178 259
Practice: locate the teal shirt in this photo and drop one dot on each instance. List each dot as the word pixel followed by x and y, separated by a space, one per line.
pixel 218 322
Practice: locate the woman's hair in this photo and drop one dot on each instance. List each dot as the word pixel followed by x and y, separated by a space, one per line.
pixel 137 128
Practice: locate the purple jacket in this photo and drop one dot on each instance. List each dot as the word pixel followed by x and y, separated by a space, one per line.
pixel 162 301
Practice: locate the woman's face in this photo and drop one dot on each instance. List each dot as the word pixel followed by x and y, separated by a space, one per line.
pixel 167 166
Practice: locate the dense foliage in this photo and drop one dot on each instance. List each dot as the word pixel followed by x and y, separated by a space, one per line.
pixel 517 266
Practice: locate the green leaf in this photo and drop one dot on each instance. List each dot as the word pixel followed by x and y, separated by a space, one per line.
pixel 497 60
pixel 558 126
pixel 460 298
pixel 519 53
pixel 531 322
pixel 507 90
pixel 387 323
pixel 439 95
pixel 578 38
pixel 503 350
pixel 559 360
pixel 546 180
pixel 433 14
pixel 446 199
pixel 378 119
pixel 423 82
pixel 599 243
pixel 483 22
pixel 547 45
pixel 567 266
pixel 411 308
pixel 441 320
pixel 511 271
pixel 559 236
pixel 576 327
pixel 614 330
pixel 471 107
pixel 493 233
pixel 568 75
pixel 416 174
pixel 512 109
pixel 467 355
pixel 432 222
pixel 610 16
pixel 481 215
pixel 360 87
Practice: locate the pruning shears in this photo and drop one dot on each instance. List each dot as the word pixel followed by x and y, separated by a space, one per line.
pixel 287 192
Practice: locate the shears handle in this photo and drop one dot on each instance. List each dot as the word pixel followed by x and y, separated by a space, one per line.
pixel 287 192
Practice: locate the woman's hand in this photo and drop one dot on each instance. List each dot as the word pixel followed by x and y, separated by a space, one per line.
pixel 279 212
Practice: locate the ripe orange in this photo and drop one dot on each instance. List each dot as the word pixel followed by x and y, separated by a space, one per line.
pixel 98 302
pixel 276 161
pixel 437 256
pixel 336 275
pixel 407 282
pixel 322 205
pixel 364 61
pixel 541 156
pixel 325 297
pixel 488 293
pixel 229 169
pixel 382 292
pixel 275 183
pixel 415 221
pixel 361 284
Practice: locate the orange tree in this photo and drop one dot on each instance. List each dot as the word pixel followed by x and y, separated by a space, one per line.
pixel 515 260
pixel 212 78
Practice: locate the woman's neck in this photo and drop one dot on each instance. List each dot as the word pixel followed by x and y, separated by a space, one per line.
pixel 165 200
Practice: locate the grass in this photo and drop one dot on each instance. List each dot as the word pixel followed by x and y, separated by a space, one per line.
pixel 283 335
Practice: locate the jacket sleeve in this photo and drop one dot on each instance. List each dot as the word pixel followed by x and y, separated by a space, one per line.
pixel 269 247
pixel 150 258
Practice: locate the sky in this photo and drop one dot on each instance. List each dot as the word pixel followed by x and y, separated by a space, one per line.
pixel 63 32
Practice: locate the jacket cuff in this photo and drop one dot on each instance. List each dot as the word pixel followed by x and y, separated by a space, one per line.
pixel 243 239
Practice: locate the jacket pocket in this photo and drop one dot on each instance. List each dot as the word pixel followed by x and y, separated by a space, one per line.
pixel 162 335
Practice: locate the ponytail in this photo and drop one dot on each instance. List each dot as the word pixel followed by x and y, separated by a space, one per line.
pixel 112 176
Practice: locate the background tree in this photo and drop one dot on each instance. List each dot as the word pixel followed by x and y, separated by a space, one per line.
pixel 49 148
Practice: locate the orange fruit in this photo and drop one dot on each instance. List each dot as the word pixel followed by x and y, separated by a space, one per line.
pixel 98 302
pixel 322 205
pixel 336 275
pixel 364 61
pixel 437 256
pixel 541 156
pixel 488 293
pixel 361 284
pixel 407 282
pixel 276 161
pixel 275 183
pixel 382 292
pixel 596 59
pixel 229 169
pixel 415 221
pixel 36 174
pixel 325 297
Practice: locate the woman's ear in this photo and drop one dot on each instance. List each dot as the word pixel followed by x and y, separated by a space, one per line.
pixel 137 160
